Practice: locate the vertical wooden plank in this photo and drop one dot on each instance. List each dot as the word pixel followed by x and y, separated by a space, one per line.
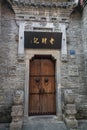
pixel 48 104
pixel 34 85
pixel 47 67
pixel 35 67
pixel 34 104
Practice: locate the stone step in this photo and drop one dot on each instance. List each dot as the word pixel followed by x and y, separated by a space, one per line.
pixel 51 124
pixel 82 125
pixel 44 124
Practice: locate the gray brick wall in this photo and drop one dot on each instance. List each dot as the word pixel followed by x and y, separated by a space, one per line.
pixel 84 41
pixel 11 72
pixel 82 106
pixel 0 18
pixel 73 71
pixel 74 42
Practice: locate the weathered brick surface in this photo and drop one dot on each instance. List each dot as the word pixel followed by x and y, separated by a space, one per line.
pixel 84 38
pixel 82 105
pixel 11 72
pixel 75 42
pixel 0 20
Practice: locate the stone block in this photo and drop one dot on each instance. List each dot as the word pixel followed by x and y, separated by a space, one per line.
pixel 17 111
pixel 2 98
pixel 73 70
pixel 16 119
pixel 19 97
pixel 69 97
pixel 71 117
pixel 71 123
pixel 16 125
pixel 20 57
pixel 3 69
pixel 12 70
pixel 70 109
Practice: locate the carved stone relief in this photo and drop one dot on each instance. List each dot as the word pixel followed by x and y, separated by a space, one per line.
pixel 73 70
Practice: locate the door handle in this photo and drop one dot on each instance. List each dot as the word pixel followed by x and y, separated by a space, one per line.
pixel 37 80
pixel 46 80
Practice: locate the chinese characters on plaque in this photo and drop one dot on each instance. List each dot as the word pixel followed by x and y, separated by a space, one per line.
pixel 43 40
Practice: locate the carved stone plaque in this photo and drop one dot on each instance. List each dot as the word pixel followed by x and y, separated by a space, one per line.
pixel 73 70
pixel 43 40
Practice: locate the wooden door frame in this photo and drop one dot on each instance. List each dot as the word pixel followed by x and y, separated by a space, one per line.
pixel 56 55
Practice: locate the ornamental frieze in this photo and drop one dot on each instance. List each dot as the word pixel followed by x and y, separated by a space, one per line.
pixel 45 3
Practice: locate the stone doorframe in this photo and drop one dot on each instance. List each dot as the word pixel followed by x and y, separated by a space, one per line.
pixel 29 54
pixel 49 27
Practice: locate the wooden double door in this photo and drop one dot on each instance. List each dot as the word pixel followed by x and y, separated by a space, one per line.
pixel 42 87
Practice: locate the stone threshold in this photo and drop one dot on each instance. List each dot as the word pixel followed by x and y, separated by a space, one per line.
pixel 43 117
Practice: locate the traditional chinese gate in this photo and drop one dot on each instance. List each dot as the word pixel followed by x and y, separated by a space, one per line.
pixel 42 87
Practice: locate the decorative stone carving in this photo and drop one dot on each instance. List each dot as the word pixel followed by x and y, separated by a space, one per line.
pixel 45 3
pixel 73 70
pixel 71 123
pixel 21 40
pixel 18 99
pixel 64 57
pixel 64 44
pixel 12 70
pixel 69 97
pixel 16 125
pixel 70 110
pixel 28 27
pixel 17 111
pixel 21 57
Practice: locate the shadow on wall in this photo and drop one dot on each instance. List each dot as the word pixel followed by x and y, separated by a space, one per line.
pixel 5 114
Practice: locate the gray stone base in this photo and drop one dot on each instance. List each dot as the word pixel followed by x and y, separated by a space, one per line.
pixel 16 125
pixel 73 124
pixel 43 125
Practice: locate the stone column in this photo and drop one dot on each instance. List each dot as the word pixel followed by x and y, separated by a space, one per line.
pixel 58 91
pixel 21 40
pixel 26 102
pixel 17 111
pixel 64 44
pixel 26 109
pixel 70 110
